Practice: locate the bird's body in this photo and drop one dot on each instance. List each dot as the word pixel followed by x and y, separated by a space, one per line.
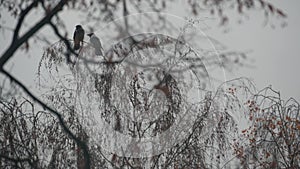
pixel 78 36
pixel 95 41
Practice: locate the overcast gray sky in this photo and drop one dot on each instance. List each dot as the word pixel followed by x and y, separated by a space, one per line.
pixel 275 51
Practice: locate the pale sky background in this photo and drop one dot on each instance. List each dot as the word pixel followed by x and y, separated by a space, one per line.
pixel 275 51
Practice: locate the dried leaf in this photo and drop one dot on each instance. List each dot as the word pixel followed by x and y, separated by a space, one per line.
pixel 262 3
pixel 271 8
pixel 224 20
pixel 280 12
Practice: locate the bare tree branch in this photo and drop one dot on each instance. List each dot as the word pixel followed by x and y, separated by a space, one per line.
pixel 16 43
pixel 80 143
pixel 22 17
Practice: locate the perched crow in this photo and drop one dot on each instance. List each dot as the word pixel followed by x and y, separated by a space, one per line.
pixel 78 37
pixel 96 44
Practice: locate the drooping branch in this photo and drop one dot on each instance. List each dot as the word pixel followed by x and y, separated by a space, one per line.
pixel 16 43
pixel 16 160
pixel 80 143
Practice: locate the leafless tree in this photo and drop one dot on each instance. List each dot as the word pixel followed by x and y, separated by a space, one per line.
pixel 272 139
pixel 26 136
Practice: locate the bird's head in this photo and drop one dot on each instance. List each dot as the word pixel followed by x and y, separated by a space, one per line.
pixel 90 34
pixel 78 26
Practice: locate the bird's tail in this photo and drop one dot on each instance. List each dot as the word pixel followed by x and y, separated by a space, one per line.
pixel 76 46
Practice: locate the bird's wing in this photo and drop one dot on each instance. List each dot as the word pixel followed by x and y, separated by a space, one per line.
pixel 96 42
pixel 76 40
pixel 81 34
pixel 74 35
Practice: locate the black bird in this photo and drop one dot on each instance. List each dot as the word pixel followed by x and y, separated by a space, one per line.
pixel 78 36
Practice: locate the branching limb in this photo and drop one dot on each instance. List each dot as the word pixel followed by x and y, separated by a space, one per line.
pixel 17 42
pixel 80 143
